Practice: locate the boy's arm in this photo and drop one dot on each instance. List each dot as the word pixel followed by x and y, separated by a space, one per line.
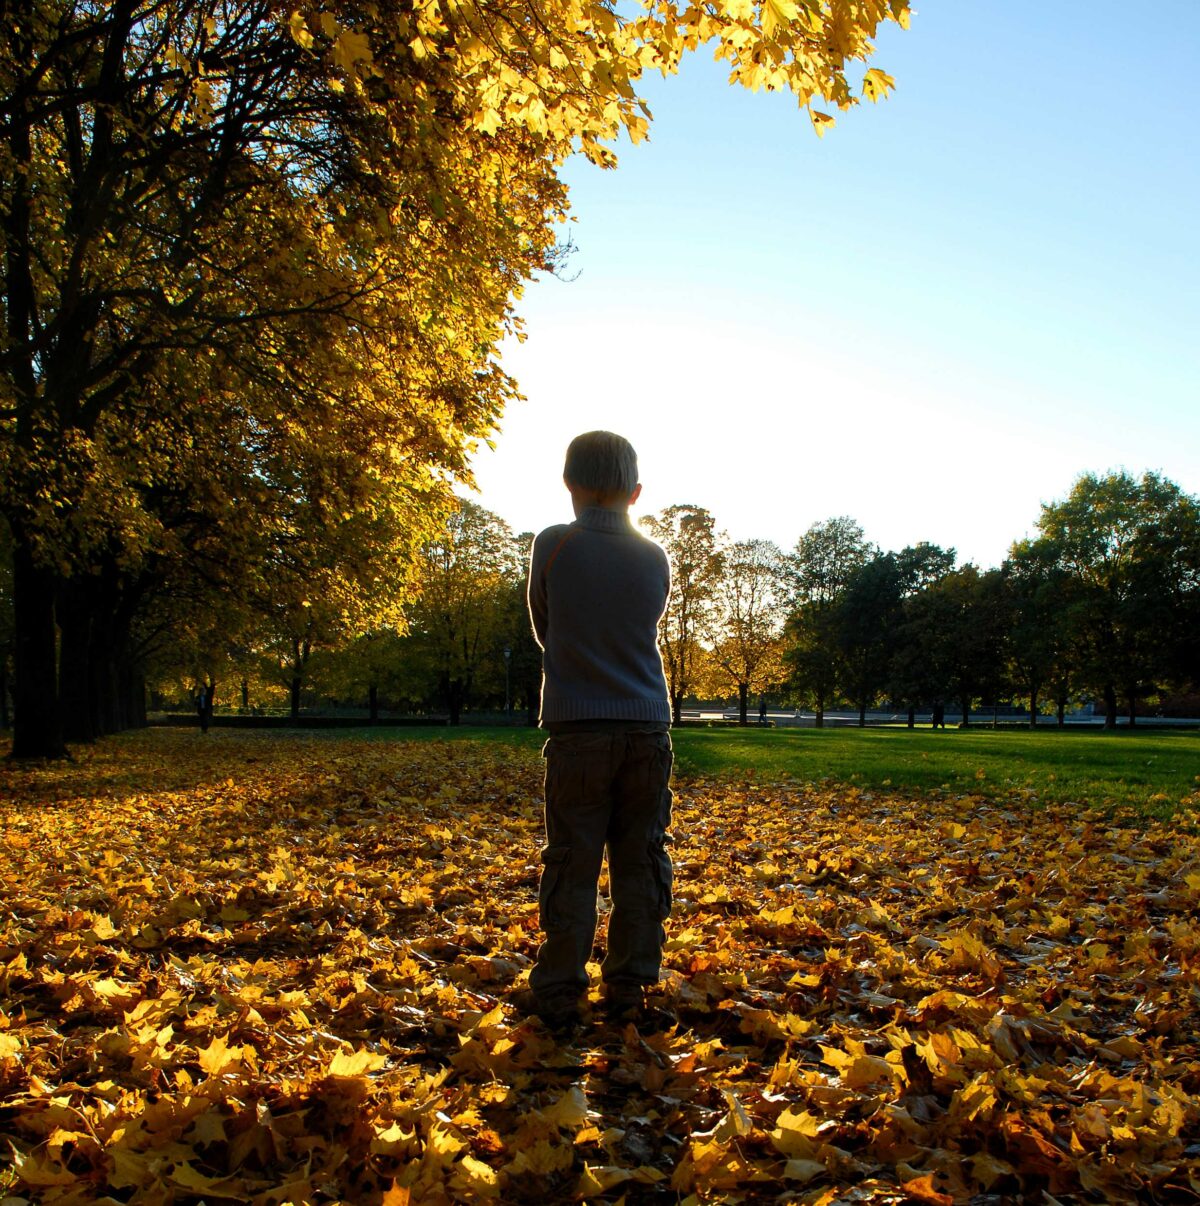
pixel 538 612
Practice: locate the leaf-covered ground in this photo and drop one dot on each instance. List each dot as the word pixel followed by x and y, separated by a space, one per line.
pixel 276 970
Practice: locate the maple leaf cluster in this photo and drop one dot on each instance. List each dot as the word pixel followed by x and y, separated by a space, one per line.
pixel 278 970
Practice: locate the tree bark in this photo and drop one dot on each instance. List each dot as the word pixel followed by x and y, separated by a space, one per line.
pixel 862 713
pixel 1110 706
pixel 74 663
pixel 743 703
pixel 912 716
pixel 677 707
pixel 301 651
pixel 819 711
pixel 1061 711
pixel 106 678
pixel 966 714
pixel 1034 692
pixel 245 695
pixel 37 723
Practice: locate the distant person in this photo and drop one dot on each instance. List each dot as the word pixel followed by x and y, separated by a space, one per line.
pixel 597 590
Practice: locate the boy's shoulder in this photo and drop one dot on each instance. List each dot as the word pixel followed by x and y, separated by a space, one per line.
pixel 551 535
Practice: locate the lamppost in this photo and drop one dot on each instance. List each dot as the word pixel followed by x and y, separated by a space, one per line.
pixel 507 692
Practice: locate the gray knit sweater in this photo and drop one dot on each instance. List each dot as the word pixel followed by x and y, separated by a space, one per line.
pixel 597 590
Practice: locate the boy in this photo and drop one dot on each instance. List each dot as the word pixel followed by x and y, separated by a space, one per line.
pixel 597 590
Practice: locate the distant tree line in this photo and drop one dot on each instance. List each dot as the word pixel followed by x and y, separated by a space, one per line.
pixel 1101 605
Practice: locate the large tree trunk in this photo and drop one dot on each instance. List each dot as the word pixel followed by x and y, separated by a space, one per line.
pixel 1110 706
pixel 74 663
pixel 455 692
pixel 245 695
pixel 912 716
pixel 101 690
pixel 966 712
pixel 37 724
pixel 1034 692
pixel 743 703
pixel 4 716
pixel 1061 711
pixel 106 663
pixel 819 710
pixel 862 713
pixel 677 707
pixel 301 652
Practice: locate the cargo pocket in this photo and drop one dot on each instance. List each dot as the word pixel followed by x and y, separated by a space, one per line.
pixel 660 866
pixel 551 891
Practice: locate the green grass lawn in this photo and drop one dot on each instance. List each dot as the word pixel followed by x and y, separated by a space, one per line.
pixel 1152 770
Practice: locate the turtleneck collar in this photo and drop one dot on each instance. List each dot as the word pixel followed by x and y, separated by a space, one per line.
pixel 604 519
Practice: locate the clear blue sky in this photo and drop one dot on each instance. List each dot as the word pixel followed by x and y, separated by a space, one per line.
pixel 933 319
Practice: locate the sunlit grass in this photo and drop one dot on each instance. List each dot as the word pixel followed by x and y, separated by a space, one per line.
pixel 1152 770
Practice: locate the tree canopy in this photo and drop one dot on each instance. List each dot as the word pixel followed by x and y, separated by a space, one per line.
pixel 256 263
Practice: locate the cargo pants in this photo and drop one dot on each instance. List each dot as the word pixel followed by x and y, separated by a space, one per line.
pixel 604 791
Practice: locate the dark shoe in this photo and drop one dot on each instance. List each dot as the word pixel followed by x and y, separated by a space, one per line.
pixel 624 1003
pixel 559 1012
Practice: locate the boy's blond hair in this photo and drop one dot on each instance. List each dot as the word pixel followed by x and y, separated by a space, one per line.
pixel 604 462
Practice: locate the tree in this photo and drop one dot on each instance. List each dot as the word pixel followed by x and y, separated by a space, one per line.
pixel 212 211
pixel 750 603
pixel 1130 550
pixel 867 618
pixel 272 218
pixel 919 671
pixel 825 559
pixel 1038 642
pixel 6 620
pixel 972 622
pixel 460 616
pixel 687 534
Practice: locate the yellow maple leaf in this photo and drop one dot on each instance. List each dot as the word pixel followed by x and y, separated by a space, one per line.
pixel 218 1057
pixel 776 13
pixel 803 1170
pixel 570 1111
pixel 299 30
pixel 351 1065
pixel 598 1179
pixel 477 1178
pixel 796 1133
pixel 351 48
